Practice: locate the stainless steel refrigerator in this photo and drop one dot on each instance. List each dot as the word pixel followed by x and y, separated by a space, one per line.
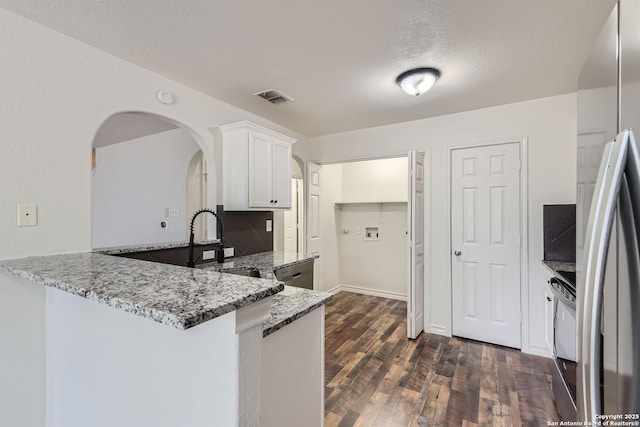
pixel 608 222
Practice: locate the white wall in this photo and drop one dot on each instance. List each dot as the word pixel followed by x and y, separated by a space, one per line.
pixel 328 270
pixel 376 267
pixel 549 124
pixel 298 377
pixel 133 184
pixel 56 92
pixel 22 358
pixel 347 259
pixel 375 180
pixel 106 366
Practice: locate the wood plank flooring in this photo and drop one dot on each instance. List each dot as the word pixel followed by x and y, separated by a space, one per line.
pixel 375 376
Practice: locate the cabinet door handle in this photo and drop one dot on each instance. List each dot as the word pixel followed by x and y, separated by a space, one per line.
pixel 270 201
pixel 275 201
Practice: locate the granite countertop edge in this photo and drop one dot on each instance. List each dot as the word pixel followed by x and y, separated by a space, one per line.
pixel 291 263
pixel 115 250
pixel 560 265
pixel 183 321
pixel 279 321
pixel 266 262
pixel 286 308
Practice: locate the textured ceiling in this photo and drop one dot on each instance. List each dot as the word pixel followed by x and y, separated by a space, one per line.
pixel 339 59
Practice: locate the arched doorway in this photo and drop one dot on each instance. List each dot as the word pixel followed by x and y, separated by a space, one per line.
pixel 143 168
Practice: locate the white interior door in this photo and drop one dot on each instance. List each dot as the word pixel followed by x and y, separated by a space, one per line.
pixel 291 221
pixel 415 224
pixel 486 243
pixel 197 196
pixel 313 208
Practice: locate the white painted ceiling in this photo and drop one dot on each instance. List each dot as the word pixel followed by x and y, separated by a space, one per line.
pixel 339 58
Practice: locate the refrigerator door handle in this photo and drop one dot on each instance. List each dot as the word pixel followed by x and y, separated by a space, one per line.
pixel 596 247
pixel 631 402
pixel 632 173
pixel 630 207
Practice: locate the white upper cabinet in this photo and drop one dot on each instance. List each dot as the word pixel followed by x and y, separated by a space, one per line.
pixel 256 168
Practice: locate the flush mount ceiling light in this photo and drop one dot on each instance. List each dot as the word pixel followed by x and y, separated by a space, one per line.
pixel 417 81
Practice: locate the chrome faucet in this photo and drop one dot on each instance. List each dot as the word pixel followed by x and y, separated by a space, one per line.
pixel 220 248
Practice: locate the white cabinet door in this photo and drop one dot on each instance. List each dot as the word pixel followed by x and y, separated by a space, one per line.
pixel 256 168
pixel 281 172
pixel 260 171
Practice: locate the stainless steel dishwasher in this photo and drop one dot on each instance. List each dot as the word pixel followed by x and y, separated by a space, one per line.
pixel 298 275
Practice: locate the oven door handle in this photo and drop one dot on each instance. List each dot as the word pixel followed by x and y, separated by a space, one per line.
pixel 559 295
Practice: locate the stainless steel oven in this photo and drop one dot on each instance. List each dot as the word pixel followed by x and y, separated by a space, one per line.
pixel 564 343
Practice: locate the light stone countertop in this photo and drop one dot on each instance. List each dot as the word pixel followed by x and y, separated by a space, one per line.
pixel 173 295
pixel 180 297
pixel 266 262
pixel 560 265
pixel 289 305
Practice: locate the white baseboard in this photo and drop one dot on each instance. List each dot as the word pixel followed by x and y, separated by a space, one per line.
pixel 439 330
pixel 538 351
pixel 335 290
pixel 366 291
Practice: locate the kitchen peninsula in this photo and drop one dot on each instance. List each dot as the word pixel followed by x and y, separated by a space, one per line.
pixel 165 345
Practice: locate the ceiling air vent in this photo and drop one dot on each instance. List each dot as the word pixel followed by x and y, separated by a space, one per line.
pixel 273 96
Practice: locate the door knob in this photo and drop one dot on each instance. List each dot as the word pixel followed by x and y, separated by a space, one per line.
pixel 457 253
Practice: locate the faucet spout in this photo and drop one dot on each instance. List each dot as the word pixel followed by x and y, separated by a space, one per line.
pixel 220 252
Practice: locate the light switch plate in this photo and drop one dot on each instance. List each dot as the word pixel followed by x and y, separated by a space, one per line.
pixel 27 215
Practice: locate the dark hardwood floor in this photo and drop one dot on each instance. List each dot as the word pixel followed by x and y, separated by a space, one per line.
pixel 375 376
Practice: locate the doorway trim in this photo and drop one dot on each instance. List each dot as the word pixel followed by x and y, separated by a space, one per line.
pixel 427 225
pixel 524 234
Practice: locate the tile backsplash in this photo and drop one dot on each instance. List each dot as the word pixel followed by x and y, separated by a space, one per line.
pixel 246 231
pixel 559 232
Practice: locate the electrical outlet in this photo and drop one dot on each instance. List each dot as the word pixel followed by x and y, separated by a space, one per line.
pixel 27 215
pixel 171 212
pixel 269 225
pixel 208 255
pixel 229 252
